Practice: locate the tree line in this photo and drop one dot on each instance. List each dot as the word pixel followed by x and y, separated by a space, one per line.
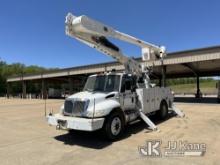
pixel 187 81
pixel 17 69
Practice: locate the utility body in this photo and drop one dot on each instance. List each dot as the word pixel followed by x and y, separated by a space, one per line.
pixel 111 100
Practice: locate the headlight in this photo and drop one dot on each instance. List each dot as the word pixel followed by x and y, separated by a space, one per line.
pixel 88 114
pixel 95 113
pixel 100 113
pixel 61 109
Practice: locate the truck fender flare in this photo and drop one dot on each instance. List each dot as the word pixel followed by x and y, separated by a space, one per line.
pixel 119 110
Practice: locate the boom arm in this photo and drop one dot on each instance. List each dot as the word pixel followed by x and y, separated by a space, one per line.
pixel 94 34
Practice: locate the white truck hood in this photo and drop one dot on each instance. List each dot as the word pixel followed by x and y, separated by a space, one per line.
pixel 85 95
pixel 97 101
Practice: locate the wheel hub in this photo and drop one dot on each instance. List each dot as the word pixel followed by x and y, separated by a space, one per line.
pixel 116 126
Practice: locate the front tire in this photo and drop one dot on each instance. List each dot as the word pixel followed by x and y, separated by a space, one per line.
pixel 114 125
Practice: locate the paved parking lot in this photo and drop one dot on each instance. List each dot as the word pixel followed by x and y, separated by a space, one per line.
pixel 25 137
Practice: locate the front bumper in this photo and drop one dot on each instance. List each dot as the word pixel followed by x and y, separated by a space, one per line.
pixel 76 123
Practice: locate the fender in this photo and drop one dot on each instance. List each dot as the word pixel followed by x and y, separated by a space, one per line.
pixel 104 107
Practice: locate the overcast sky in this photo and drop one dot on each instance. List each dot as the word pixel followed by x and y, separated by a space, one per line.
pixel 32 31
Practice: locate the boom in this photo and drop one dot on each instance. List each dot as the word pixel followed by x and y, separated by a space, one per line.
pixel 94 34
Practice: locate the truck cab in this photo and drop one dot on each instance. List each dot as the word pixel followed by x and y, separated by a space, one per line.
pixel 109 90
pixel 104 95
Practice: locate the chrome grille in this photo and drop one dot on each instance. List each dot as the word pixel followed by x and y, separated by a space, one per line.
pixel 68 107
pixel 74 107
pixel 78 107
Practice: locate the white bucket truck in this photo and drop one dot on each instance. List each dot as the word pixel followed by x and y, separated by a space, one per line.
pixel 110 101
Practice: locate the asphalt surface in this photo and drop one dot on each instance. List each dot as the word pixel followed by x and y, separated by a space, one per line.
pixel 26 138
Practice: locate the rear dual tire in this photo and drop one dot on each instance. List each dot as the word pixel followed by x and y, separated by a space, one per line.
pixel 163 112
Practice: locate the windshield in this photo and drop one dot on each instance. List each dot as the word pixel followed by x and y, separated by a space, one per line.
pixel 103 83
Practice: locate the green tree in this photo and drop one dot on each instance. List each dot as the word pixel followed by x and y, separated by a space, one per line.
pixel 18 69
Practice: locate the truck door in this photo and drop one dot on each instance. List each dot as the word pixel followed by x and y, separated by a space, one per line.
pixel 127 93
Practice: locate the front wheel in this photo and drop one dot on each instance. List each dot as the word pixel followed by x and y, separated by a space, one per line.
pixel 114 125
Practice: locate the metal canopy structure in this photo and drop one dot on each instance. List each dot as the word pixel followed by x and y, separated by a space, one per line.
pixel 191 63
pixel 201 62
pixel 198 62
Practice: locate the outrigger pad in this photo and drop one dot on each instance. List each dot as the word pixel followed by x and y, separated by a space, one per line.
pixel 148 121
pixel 178 111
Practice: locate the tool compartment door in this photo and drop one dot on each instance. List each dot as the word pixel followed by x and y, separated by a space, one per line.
pixel 149 100
pixel 158 97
